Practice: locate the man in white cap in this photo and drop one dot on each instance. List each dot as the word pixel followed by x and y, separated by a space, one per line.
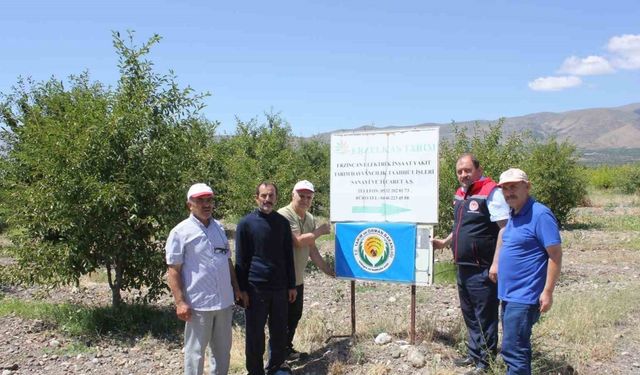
pixel 304 234
pixel 203 283
pixel 528 262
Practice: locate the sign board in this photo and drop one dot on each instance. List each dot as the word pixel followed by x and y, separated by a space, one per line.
pixel 385 176
pixel 376 251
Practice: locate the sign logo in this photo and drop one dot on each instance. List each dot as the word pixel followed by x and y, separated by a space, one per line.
pixel 342 147
pixel 374 250
pixel 473 206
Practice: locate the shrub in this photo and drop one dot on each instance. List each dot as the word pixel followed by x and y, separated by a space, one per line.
pixel 495 153
pixel 555 176
pixel 558 181
pixel 624 178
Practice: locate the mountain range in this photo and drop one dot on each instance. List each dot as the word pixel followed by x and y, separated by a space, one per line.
pixel 596 132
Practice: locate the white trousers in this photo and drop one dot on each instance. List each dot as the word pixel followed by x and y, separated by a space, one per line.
pixel 212 328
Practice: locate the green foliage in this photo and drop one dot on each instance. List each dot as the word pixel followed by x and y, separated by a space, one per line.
pixel 444 273
pixel 269 152
pixel 495 153
pixel 557 180
pixel 624 178
pixel 552 167
pixel 601 177
pixel 95 177
pixel 74 320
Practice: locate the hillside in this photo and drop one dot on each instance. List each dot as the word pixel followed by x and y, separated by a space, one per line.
pixel 598 132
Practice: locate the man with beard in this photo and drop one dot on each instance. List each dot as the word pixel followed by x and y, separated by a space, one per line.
pixel 264 265
pixel 480 213
pixel 528 262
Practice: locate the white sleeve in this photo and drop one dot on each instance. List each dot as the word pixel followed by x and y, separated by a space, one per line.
pixel 174 248
pixel 498 207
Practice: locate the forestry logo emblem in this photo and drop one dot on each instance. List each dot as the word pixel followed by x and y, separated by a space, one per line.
pixel 374 250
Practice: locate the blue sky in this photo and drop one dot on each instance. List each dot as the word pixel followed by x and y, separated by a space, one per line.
pixel 328 65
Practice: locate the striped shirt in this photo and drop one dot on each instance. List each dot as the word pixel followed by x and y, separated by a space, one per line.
pixel 204 255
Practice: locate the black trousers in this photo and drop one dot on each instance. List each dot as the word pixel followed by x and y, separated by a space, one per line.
pixel 294 314
pixel 266 305
pixel 479 304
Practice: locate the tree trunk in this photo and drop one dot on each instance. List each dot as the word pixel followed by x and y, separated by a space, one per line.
pixel 116 298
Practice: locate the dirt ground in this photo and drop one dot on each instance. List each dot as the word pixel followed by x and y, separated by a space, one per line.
pixel 591 263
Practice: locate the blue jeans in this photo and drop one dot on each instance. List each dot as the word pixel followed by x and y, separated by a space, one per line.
pixel 479 305
pixel 517 322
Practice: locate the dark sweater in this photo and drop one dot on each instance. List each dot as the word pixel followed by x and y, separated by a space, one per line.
pixel 264 252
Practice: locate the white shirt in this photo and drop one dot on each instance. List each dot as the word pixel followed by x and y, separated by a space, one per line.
pixel 498 207
pixel 205 265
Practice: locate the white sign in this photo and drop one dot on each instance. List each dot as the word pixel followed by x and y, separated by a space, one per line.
pixel 385 176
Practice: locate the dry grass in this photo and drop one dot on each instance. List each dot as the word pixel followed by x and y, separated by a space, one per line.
pixel 338 368
pixel 237 351
pixel 604 198
pixel 312 331
pixel 378 369
pixel 585 326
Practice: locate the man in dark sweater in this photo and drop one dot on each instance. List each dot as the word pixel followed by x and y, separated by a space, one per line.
pixel 266 276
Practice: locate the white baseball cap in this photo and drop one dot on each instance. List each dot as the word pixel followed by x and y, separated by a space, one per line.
pixel 303 185
pixel 513 175
pixel 199 190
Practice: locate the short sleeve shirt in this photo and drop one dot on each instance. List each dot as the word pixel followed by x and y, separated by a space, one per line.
pixel 299 226
pixel 498 207
pixel 203 252
pixel 523 259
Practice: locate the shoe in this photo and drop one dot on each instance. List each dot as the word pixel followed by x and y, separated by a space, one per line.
pixel 463 362
pixel 293 355
pixel 476 371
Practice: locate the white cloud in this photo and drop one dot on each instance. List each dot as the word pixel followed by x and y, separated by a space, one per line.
pixel 626 51
pixel 590 65
pixel 554 83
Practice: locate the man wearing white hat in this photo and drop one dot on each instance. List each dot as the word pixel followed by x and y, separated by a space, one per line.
pixel 528 262
pixel 304 234
pixel 203 283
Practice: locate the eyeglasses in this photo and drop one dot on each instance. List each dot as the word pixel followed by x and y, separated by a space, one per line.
pixel 220 250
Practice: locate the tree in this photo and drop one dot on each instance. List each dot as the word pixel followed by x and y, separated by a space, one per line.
pixel 495 152
pixel 96 177
pixel 268 151
pixel 551 166
pixel 556 178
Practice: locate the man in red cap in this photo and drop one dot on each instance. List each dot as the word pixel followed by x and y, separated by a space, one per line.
pixel 203 283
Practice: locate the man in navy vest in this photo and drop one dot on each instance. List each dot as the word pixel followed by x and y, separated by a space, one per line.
pixel 480 213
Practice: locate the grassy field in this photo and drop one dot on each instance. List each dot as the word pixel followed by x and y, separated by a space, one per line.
pixel 593 327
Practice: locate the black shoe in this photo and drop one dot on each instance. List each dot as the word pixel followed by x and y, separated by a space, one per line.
pixel 294 355
pixel 476 371
pixel 463 362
